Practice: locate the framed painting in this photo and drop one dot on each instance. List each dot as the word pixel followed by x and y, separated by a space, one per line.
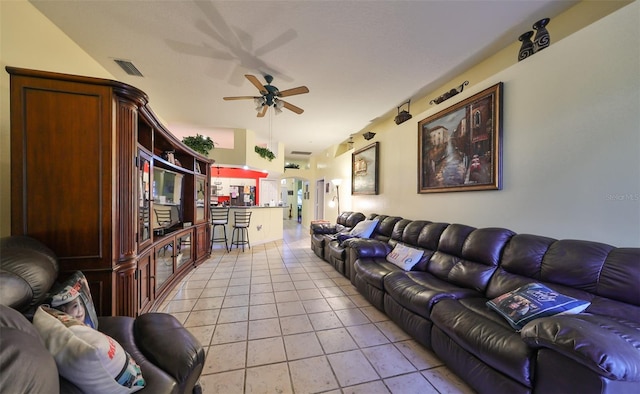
pixel 364 170
pixel 460 148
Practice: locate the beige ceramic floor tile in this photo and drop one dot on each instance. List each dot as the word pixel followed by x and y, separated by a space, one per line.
pixel 265 311
pixel 231 382
pixel 375 387
pixel 265 351
pixel 367 335
pixel 290 308
pixel 388 361
pixel 230 332
pixel 302 345
pixel 336 340
pixel 264 328
pixel 315 306
pixel 208 303
pixel 324 320
pixel 352 317
pixel 352 368
pixel 268 379
pixel 446 382
pixel 312 375
pixel 230 315
pixel 413 383
pixel 262 298
pixel 392 331
pixel 225 357
pixel 418 355
pixel 295 324
pixel 205 317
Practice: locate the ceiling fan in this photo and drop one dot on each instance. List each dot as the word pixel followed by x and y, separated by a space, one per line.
pixel 270 96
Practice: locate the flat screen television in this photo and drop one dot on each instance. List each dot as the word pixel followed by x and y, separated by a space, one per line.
pixel 167 192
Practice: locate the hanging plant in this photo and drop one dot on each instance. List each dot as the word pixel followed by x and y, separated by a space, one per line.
pixel 199 143
pixel 265 153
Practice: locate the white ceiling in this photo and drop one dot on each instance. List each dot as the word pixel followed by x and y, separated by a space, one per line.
pixel 359 59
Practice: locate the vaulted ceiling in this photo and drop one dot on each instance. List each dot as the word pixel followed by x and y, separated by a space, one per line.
pixel 359 59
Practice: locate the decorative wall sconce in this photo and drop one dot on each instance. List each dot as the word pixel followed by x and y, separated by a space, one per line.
pixel 447 95
pixel 369 135
pixel 350 143
pixel 403 115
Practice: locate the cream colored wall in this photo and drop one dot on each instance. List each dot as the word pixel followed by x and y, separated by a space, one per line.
pixel 571 144
pixel 29 40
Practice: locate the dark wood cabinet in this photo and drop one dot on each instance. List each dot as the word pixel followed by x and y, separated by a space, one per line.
pixel 83 155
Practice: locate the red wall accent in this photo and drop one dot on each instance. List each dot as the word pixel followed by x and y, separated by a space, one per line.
pixel 226 172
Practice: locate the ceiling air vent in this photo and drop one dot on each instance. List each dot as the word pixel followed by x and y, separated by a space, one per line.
pixel 297 152
pixel 128 67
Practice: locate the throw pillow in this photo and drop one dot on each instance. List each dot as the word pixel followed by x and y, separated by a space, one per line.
pixel 91 360
pixel 74 298
pixel 533 301
pixel 364 229
pixel 404 256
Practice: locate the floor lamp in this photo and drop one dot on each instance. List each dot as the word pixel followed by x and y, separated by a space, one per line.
pixel 337 182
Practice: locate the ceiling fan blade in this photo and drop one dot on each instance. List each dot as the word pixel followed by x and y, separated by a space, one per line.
pixel 240 98
pixel 264 111
pixel 256 83
pixel 292 107
pixel 294 91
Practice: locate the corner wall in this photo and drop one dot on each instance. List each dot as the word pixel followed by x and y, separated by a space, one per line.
pixel 571 144
pixel 29 40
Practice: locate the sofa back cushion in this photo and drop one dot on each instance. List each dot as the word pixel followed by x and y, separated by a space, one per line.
pixel 342 218
pixel 398 229
pixel 353 219
pixel 606 276
pixel 385 227
pixel 467 256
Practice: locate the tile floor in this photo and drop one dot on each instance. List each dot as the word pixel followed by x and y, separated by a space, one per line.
pixel 278 319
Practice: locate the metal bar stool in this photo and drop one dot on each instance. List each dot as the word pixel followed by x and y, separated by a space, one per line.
pixel 241 228
pixel 219 217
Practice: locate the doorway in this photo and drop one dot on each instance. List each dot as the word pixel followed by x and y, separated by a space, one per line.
pixel 319 200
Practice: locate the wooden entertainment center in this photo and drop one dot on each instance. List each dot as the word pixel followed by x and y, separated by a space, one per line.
pixel 97 178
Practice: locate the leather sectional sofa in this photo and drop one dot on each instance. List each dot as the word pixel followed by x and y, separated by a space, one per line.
pixel 442 303
pixel 170 358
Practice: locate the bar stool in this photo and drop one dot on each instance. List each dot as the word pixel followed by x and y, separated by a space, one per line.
pixel 219 217
pixel 241 228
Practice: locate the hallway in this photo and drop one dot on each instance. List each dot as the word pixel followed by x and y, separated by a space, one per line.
pixel 278 319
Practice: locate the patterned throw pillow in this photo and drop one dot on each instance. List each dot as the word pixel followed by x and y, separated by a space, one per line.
pixel 404 256
pixel 91 360
pixel 533 301
pixel 74 298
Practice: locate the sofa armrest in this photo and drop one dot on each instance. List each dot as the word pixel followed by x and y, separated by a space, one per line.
pixel 607 346
pixel 323 228
pixel 366 247
pixel 166 343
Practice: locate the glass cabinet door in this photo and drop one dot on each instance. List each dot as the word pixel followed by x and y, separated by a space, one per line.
pixel 144 196
pixel 164 262
pixel 201 198
pixel 183 246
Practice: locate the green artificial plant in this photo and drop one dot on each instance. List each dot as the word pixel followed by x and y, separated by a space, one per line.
pixel 199 143
pixel 265 153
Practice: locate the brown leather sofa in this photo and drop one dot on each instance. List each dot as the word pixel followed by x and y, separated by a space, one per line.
pixel 442 300
pixel 170 357
pixel 323 233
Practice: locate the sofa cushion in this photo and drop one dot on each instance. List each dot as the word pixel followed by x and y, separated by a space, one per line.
pixel 91 360
pixel 534 301
pixel 405 256
pixel 418 291
pixel 373 270
pixel 478 330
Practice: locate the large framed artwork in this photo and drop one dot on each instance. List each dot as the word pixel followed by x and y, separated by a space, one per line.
pixel 364 170
pixel 460 148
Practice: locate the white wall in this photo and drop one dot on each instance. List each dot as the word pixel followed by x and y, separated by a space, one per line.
pixel 571 145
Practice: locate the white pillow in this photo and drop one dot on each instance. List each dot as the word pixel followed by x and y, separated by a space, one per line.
pixel 364 229
pixel 404 256
pixel 91 360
